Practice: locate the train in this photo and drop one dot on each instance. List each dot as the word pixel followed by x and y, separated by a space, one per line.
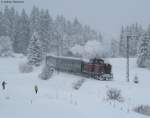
pixel 95 68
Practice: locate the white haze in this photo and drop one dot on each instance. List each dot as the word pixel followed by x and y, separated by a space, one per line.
pixel 105 16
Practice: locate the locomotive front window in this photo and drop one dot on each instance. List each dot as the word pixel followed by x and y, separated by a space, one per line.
pixel 96 61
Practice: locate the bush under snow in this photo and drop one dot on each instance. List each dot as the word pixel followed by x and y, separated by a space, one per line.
pixel 143 109
pixel 78 84
pixel 114 94
pixel 25 68
pixel 47 72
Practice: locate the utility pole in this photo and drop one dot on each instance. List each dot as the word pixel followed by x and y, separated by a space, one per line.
pixel 128 79
pixel 128 61
pixel 59 38
pixel 58 50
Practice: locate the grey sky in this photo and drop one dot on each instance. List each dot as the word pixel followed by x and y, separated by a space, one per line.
pixel 105 16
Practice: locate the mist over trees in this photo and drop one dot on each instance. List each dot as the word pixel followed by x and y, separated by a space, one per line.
pixel 89 50
pixel 60 36
pixel 136 32
pixel 139 44
pixel 53 32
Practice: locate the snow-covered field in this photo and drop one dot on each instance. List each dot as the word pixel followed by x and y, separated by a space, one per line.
pixel 58 99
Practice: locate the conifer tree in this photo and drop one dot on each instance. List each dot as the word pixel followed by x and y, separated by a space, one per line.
pixel 35 50
pixel 144 54
pixel 22 35
pixel 34 20
pixel 45 22
pixel 2 28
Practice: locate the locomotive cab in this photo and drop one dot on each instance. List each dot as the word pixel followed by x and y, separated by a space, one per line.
pixel 98 69
pixel 107 68
pixel 97 61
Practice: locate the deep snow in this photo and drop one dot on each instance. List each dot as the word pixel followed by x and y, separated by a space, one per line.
pixel 58 99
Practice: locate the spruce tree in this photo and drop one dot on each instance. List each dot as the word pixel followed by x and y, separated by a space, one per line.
pixel 35 50
pixel 143 53
pixel 114 48
pixel 22 33
pixel 122 43
pixel 1 24
pixel 34 20
pixel 9 21
pixel 45 22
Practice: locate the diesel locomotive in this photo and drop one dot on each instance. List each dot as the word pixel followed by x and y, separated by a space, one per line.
pixel 95 68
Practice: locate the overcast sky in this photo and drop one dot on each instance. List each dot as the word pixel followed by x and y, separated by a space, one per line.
pixel 106 16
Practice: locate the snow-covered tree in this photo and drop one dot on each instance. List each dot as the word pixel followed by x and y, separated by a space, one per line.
pixel 60 23
pixel 16 33
pixel 35 50
pixel 73 33
pixel 5 46
pixel 45 23
pixel 114 48
pixel 77 27
pixel 148 30
pixel 2 26
pixel 122 43
pixel 89 34
pixel 22 35
pixel 9 22
pixel 6 22
pixel 34 20
pixel 135 31
pixel 144 52
pixel 59 33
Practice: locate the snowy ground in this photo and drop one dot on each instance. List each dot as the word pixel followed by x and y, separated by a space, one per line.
pixel 58 99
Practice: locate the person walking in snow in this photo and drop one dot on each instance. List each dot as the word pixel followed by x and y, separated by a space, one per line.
pixel 36 89
pixel 3 85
